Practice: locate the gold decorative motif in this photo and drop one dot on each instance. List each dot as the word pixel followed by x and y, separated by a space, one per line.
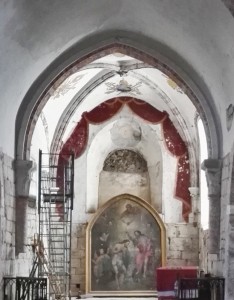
pixel 173 84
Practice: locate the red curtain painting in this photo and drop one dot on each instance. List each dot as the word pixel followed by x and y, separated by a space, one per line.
pixel 77 141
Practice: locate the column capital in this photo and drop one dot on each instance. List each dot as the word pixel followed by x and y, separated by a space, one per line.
pixel 194 191
pixel 23 170
pixel 212 167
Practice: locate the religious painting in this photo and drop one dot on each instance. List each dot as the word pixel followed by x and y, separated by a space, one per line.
pixel 125 246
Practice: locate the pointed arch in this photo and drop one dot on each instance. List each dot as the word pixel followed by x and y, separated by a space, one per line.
pixel 128 43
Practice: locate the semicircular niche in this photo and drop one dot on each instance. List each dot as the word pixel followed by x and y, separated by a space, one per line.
pixel 124 171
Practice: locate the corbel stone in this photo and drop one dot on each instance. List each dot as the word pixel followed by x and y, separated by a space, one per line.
pixel 195 215
pixel 22 184
pixel 212 168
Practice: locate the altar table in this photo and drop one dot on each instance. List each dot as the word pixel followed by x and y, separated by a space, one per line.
pixel 167 276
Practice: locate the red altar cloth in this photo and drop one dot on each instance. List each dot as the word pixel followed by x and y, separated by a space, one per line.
pixel 166 276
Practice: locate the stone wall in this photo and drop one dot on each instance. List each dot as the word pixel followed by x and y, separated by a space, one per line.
pixel 24 261
pixel 182 245
pixel 7 219
pixel 209 263
pixel 203 249
pixel 225 195
pixel 227 225
pixel 10 265
pixel 78 254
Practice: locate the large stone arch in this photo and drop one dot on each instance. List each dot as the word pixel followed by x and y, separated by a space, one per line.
pixel 82 53
pixel 135 45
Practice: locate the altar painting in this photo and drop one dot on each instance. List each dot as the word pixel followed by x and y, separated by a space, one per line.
pixel 125 244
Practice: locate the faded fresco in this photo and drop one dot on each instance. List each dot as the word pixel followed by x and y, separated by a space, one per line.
pixel 125 248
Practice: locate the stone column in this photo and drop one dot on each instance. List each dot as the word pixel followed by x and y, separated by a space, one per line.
pixel 22 185
pixel 228 225
pixel 195 216
pixel 212 168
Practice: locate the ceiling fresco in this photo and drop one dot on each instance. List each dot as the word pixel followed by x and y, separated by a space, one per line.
pixel 114 75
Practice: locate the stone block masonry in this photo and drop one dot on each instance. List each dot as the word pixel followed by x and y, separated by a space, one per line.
pixel 78 255
pixel 7 218
pixel 10 264
pixel 227 224
pixel 182 245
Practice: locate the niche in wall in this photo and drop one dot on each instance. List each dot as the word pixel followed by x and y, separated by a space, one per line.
pixel 124 171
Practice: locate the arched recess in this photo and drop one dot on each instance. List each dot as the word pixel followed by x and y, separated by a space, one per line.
pixel 130 176
pixel 78 140
pixel 116 223
pixel 135 45
pixel 102 144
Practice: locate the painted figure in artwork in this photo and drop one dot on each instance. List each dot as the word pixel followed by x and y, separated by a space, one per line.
pixel 120 261
pixel 144 250
pixel 130 214
pixel 102 266
pixel 125 248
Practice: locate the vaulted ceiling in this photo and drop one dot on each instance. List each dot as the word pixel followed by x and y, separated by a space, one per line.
pixel 39 40
pixel 113 75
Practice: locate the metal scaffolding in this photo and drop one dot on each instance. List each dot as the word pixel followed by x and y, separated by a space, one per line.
pixel 53 248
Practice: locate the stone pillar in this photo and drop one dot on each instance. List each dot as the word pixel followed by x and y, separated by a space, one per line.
pixel 22 185
pixel 228 225
pixel 212 168
pixel 195 216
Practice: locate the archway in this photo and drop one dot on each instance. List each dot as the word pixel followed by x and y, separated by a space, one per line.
pixel 69 62
pixel 56 74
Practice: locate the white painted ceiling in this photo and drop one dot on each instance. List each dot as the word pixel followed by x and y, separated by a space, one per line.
pixel 128 77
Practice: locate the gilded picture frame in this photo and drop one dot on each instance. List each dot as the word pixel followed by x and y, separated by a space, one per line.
pixel 124 246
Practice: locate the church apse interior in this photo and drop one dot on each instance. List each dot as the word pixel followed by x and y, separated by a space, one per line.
pixel 120 168
pixel 136 139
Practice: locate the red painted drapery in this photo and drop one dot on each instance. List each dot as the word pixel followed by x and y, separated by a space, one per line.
pixel 77 141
